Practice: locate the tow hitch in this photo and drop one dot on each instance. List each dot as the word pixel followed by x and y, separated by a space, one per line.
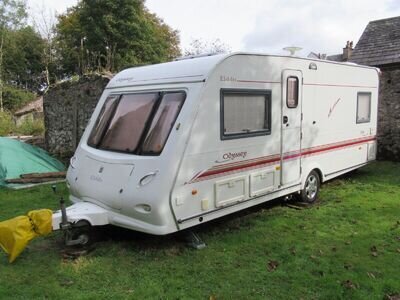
pixel 77 220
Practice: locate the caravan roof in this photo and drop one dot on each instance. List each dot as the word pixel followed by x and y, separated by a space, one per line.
pixel 192 69
pixel 186 70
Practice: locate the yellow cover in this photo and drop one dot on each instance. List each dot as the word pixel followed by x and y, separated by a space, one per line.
pixel 16 233
pixel 41 220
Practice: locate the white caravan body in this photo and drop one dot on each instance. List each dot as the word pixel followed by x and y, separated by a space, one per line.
pixel 242 129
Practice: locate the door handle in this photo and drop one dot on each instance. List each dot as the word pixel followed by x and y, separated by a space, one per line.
pixel 285 119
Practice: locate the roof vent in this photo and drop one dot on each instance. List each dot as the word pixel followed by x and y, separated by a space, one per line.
pixel 292 50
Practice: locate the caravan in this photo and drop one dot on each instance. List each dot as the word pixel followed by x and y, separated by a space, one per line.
pixel 173 145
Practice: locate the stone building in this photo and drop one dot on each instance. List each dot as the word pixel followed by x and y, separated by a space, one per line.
pixel 30 112
pixel 341 57
pixel 345 55
pixel 68 107
pixel 379 46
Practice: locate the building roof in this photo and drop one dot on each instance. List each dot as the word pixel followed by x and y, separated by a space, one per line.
pixel 335 57
pixel 36 105
pixel 379 44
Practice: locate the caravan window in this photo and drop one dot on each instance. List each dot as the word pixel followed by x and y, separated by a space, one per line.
pixel 245 113
pixel 136 123
pixel 363 107
pixel 126 126
pixel 292 92
pixel 162 122
pixel 102 120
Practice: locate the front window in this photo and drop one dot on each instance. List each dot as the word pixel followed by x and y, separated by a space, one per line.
pixel 162 122
pixel 136 123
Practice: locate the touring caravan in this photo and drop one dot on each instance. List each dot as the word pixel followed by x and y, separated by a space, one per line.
pixel 173 145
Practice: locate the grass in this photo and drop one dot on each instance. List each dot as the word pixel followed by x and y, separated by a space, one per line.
pixel 347 246
pixel 27 127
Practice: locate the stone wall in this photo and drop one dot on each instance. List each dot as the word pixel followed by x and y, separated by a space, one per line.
pixel 389 115
pixel 67 110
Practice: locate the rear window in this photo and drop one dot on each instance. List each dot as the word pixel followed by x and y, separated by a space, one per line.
pixel 136 123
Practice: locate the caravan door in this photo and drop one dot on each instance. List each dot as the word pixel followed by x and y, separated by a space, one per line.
pixel 291 127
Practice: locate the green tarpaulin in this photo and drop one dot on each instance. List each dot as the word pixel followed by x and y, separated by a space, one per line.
pixel 18 158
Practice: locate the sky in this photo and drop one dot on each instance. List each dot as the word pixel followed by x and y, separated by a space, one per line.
pixel 321 26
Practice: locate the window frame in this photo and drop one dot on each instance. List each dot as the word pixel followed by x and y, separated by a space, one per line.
pixel 287 89
pixel 370 108
pixel 246 92
pixel 138 150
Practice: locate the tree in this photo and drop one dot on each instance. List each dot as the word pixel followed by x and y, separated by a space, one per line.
pixel 68 40
pixel 111 35
pixel 45 23
pixel 23 65
pixel 12 16
pixel 199 46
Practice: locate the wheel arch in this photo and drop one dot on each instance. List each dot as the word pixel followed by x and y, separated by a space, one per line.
pixel 312 167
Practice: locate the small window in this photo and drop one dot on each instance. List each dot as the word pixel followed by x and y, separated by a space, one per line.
pixel 292 92
pixel 245 113
pixel 363 107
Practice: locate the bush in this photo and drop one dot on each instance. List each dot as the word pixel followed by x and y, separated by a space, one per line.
pixel 15 98
pixel 30 127
pixel 6 123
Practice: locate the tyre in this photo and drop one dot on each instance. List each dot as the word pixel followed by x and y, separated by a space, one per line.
pixel 83 231
pixel 311 188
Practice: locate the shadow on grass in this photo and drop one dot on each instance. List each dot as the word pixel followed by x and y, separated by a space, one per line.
pixel 241 220
pixel 106 235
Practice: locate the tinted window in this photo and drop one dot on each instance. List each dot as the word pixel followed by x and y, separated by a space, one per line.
pixel 102 121
pixel 127 124
pixel 136 123
pixel 163 122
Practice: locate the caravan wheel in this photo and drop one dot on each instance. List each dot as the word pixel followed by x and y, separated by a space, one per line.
pixel 82 232
pixel 311 188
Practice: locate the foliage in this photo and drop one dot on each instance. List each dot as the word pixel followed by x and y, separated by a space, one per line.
pixel 14 98
pixel 111 35
pixel 69 37
pixel 30 127
pixel 199 46
pixel 94 35
pixel 44 24
pixel 23 64
pixel 6 123
pixel 344 247
pixel 12 14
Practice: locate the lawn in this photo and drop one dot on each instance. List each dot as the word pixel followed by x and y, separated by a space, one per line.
pixel 346 246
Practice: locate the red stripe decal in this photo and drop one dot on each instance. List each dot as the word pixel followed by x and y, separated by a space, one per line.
pixel 267 160
pixel 262 162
